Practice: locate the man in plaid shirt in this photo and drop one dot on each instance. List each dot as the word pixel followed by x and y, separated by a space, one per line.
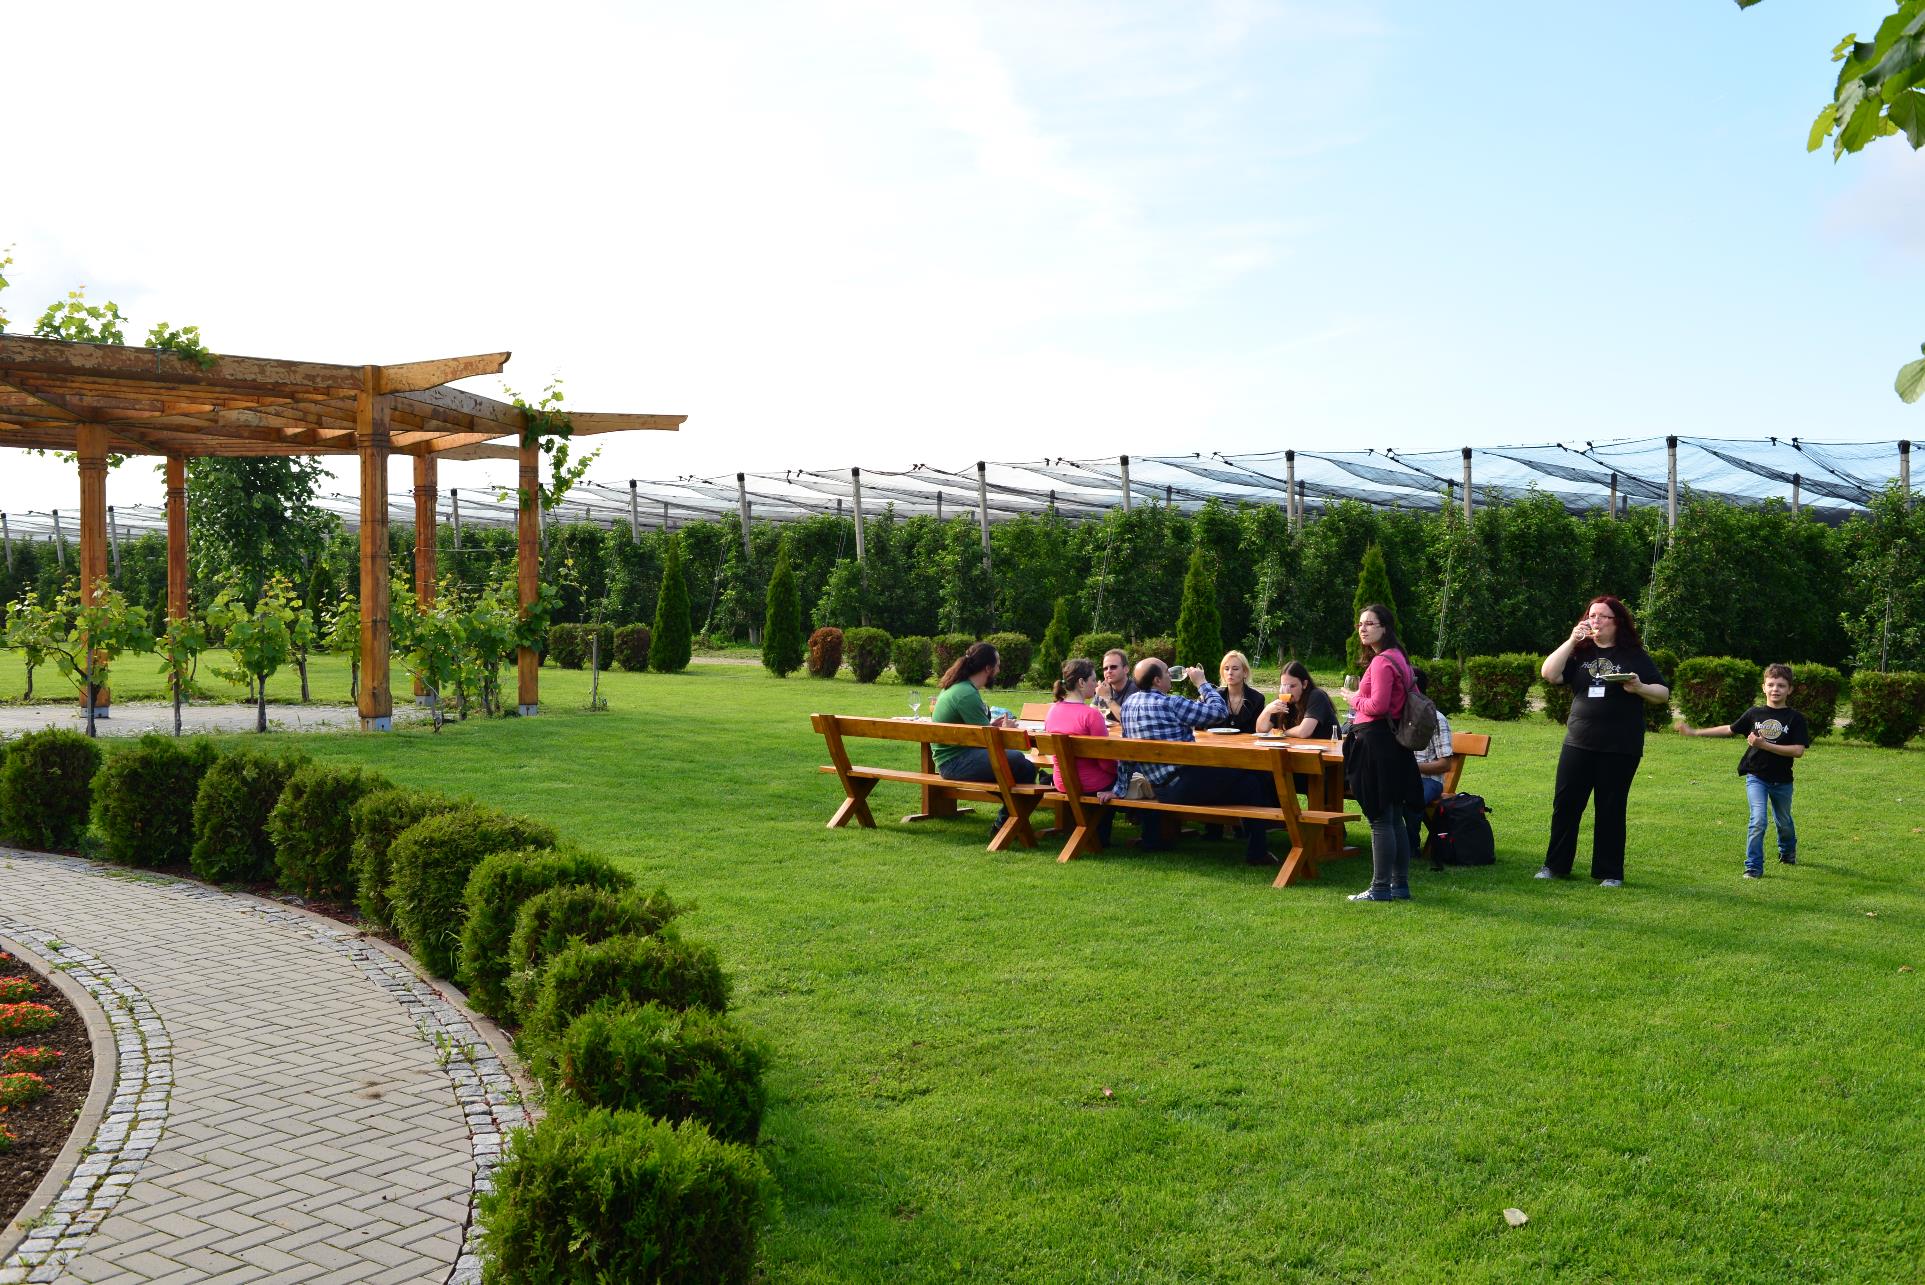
pixel 1433 761
pixel 1154 713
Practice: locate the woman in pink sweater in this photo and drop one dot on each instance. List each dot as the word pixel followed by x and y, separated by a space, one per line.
pixel 1378 772
pixel 1076 713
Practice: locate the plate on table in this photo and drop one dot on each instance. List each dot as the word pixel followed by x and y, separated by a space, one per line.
pixel 1224 731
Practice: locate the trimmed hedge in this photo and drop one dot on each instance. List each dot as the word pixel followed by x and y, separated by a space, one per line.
pixel 913 657
pixel 312 827
pixel 237 794
pixel 567 916
pixel 1444 683
pixel 949 649
pixel 675 1066
pixel 631 647
pixel 1886 709
pixel 1015 652
pixel 1658 718
pixel 1557 701
pixel 1164 649
pixel 825 652
pixel 430 864
pixel 495 895
pixel 46 788
pixel 1814 693
pixel 378 820
pixel 144 800
pixel 1714 690
pixel 567 648
pixel 868 652
pixel 663 969
pixel 1091 648
pixel 1500 686
pixel 591 1196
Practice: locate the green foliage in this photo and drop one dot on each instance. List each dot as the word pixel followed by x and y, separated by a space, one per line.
pixel 631 648
pixel 1878 88
pixel 237 795
pixel 46 783
pixel 179 647
pixel 1814 692
pixel 429 865
pixel 342 637
pixel 6 261
pixel 143 806
pixel 1657 718
pixel 825 652
pixel 1163 648
pixel 1091 648
pixel 1444 683
pixel 843 596
pixel 259 638
pixel 1373 585
pixel 1884 601
pixel 250 520
pixel 377 820
pixel 1557 701
pixel 1713 690
pixel 496 894
pixel 949 649
pixel 690 1065
pixel 78 321
pixel 669 650
pixel 1055 647
pixel 82 640
pixel 1886 709
pixel 868 651
pixel 913 657
pixel 589 1197
pixel 782 641
pixel 545 422
pixel 1013 651
pixel 1500 686
pixel 1697 606
pixel 567 647
pixel 1199 625
pixel 185 342
pixel 312 827
pixel 661 969
pixel 572 915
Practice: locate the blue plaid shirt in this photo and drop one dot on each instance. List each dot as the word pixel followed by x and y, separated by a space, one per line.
pixel 1150 715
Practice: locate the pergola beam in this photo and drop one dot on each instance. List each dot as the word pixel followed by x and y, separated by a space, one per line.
pixel 420 376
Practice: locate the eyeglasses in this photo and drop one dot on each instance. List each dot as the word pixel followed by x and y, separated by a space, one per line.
pixel 1112 667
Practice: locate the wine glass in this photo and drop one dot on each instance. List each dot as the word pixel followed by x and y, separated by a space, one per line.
pixel 915 704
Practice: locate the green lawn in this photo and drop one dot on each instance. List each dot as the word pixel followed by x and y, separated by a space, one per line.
pixel 1157 1068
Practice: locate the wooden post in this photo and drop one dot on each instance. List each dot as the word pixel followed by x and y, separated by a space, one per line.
pixel 528 576
pixel 1797 483
pixel 855 481
pixel 982 513
pixel 1671 484
pixel 90 449
pixel 176 538
pixel 113 538
pixel 1467 501
pixel 426 476
pixel 1290 514
pixel 1124 460
pixel 371 412
pixel 634 514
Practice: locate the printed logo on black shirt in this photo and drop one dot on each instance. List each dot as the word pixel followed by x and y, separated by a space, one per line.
pixel 1599 666
pixel 1769 728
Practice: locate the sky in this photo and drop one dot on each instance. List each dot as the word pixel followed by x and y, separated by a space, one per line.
pixel 872 234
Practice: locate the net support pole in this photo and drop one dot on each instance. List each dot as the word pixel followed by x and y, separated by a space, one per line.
pixel 634 514
pixel 1302 493
pixel 855 483
pixel 665 526
pixel 113 538
pixel 427 480
pixel 454 515
pixel 1614 493
pixel 939 506
pixel 1290 514
pixel 982 511
pixel 1797 481
pixel 1671 483
pixel 1467 500
pixel 742 506
pixel 1905 472
pixel 6 536
pixel 59 540
pixel 1124 460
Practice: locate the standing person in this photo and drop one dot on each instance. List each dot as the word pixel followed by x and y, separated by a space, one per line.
pixel 1378 772
pixel 961 701
pixel 1116 685
pixel 1241 700
pixel 1155 713
pixel 1302 709
pixel 1611 678
pixel 1074 714
pixel 1775 734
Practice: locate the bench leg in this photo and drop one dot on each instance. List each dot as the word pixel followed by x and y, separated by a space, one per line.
pixel 937 803
pixel 856 805
pixel 1296 867
pixel 1016 827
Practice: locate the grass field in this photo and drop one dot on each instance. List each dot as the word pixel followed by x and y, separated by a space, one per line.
pixel 1157 1068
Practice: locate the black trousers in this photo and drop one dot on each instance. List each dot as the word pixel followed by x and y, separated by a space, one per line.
pixel 1224 785
pixel 1590 776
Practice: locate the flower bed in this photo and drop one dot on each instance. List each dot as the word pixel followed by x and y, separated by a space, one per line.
pixel 43 1083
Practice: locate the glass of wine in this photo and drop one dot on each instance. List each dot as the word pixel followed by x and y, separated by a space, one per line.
pixel 915 704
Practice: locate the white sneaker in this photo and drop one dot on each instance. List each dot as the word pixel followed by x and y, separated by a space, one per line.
pixel 1544 872
pixel 1610 883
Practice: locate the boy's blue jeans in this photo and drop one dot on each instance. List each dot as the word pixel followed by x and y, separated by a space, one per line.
pixel 1760 791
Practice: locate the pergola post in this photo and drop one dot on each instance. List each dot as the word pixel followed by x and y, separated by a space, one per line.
pixel 90 448
pixel 176 538
pixel 371 416
pixel 528 575
pixel 425 470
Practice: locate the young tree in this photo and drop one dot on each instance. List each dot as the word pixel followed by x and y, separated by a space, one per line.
pixel 260 639
pixel 1373 585
pixel 343 638
pixel 491 631
pixel 250 520
pixel 83 640
pixel 1054 649
pixel 669 646
pixel 429 640
pixel 1199 629
pixel 29 626
pixel 180 646
pixel 783 644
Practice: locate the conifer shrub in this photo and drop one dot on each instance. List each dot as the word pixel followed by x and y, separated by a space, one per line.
pixel 1714 690
pixel 1814 693
pixel 495 895
pixel 377 820
pixel 782 641
pixel 1500 686
pixel 1053 651
pixel 1199 625
pixel 913 657
pixel 1886 709
pixel 825 652
pixel 949 649
pixel 1444 679
pixel 237 795
pixel 661 969
pixel 552 921
pixel 631 648
pixel 312 828
pixel 46 788
pixel 1373 585
pixel 671 643
pixel 1014 651
pixel 868 651
pixel 430 863
pixel 589 1196
pixel 567 646
pixel 674 1065
pixel 143 806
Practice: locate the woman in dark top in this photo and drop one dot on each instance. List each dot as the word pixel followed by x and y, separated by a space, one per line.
pixel 1241 699
pixel 1301 709
pixel 1611 679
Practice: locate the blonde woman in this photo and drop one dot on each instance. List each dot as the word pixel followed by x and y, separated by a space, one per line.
pixel 1244 701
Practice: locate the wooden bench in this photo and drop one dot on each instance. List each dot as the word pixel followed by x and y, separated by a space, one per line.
pixel 939 793
pixel 1315 831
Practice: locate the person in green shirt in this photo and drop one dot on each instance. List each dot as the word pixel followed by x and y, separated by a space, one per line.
pixel 961 701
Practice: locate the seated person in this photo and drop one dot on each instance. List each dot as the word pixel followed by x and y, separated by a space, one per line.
pixel 1433 762
pixel 1075 714
pixel 1155 713
pixel 1241 700
pixel 961 701
pixel 1302 709
pixel 1115 685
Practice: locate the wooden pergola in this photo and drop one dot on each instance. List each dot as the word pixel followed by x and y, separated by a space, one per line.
pixel 97 400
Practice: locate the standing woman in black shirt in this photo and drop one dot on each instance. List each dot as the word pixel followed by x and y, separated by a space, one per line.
pixel 1611 679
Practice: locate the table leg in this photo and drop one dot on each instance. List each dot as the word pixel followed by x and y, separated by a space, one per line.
pixel 936 801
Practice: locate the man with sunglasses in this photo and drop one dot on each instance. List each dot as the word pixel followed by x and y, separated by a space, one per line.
pixel 1117 685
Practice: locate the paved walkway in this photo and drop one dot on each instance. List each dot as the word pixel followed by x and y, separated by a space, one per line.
pixel 292 1103
pixel 132 718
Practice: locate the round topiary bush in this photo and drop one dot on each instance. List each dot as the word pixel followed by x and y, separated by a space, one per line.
pixel 589 1196
pixel 825 652
pixel 1092 648
pixel 674 1065
pixel 913 657
pixel 231 843
pixel 312 828
pixel 46 788
pixel 949 649
pixel 496 892
pixel 1714 690
pixel 631 647
pixel 1557 701
pixel 553 921
pixel 1500 686
pixel 1658 718
pixel 1164 649
pixel 1014 651
pixel 1814 693
pixel 377 821
pixel 1886 709
pixel 868 652
pixel 567 646
pixel 1444 684
pixel 663 969
pixel 144 800
pixel 430 863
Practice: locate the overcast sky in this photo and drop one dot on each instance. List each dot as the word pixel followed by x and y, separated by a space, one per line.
pixel 886 234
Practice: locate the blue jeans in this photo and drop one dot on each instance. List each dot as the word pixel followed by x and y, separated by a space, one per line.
pixel 973 765
pixel 1760 791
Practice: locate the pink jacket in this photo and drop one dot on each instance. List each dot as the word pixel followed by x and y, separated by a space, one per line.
pixel 1380 694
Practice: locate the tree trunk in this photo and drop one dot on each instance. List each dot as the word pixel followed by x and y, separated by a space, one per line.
pixel 91 694
pixel 354 678
pixel 260 706
pixel 175 684
pixel 300 663
pixel 29 692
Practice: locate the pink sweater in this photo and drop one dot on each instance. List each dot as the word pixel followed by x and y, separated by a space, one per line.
pixel 1072 718
pixel 1381 693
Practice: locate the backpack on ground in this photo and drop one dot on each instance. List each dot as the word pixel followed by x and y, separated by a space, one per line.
pixel 1461 834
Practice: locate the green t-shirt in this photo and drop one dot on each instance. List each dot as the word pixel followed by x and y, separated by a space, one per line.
pixel 958 703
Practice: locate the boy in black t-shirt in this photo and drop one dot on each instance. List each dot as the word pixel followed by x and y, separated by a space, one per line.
pixel 1775 734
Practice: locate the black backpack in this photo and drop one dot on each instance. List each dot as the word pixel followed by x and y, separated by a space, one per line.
pixel 1461 836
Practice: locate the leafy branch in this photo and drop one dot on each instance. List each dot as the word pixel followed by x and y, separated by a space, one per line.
pixel 185 341
pixel 78 321
pixel 6 261
pixel 546 423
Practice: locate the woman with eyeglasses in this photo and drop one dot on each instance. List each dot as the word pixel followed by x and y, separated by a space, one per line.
pixel 1378 771
pixel 1612 678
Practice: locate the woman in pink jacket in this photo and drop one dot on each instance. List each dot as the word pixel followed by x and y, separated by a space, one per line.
pixel 1378 772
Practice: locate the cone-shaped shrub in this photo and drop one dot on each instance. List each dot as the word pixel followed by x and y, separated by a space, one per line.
pixel 1054 649
pixel 1199 626
pixel 144 800
pixel 497 890
pixel 1373 585
pixel 782 640
pixel 670 646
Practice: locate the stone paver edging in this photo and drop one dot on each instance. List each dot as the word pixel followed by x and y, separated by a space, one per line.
pixel 275 1116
